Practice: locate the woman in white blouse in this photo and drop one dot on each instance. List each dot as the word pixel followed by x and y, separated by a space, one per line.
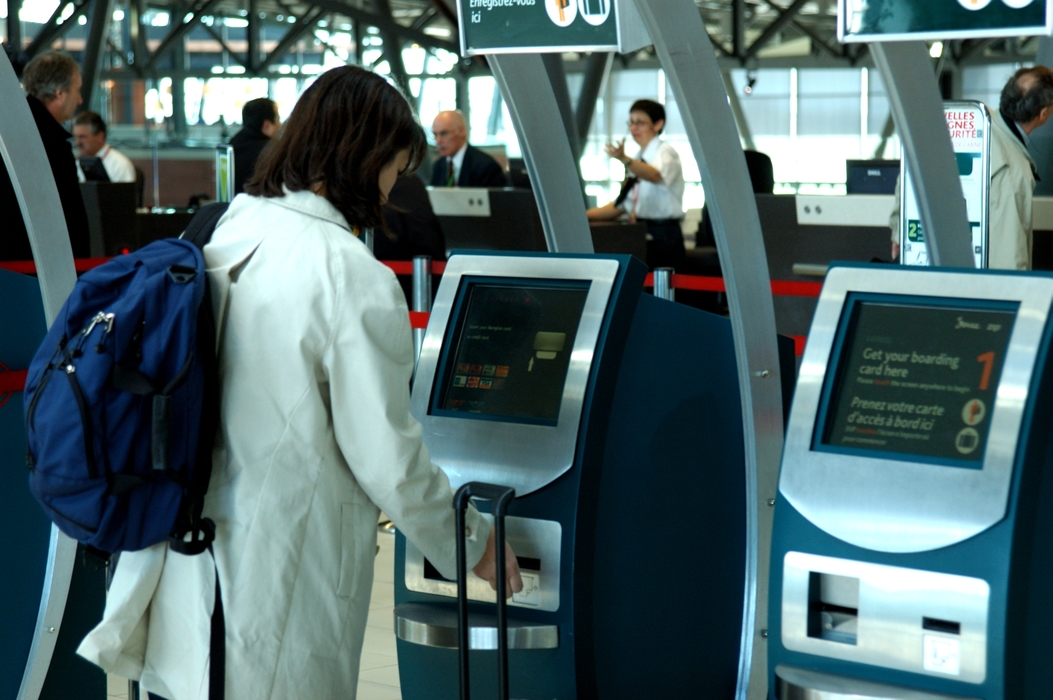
pixel 653 192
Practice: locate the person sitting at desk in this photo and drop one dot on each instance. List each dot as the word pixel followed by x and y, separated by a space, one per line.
pixel 653 192
pixel 89 133
pixel 461 164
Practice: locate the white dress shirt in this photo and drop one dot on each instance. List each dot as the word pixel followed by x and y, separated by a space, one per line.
pixel 117 165
pixel 658 200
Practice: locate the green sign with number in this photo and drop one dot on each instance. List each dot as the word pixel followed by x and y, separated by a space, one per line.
pixel 898 20
pixel 525 26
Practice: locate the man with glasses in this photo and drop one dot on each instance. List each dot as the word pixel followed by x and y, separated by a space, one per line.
pixel 460 164
pixel 653 191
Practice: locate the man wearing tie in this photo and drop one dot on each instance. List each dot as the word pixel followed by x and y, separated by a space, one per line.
pixel 461 165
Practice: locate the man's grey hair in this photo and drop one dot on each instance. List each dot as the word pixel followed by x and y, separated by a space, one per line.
pixel 1027 93
pixel 48 73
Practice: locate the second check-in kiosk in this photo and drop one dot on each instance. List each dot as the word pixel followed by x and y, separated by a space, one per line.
pixel 913 543
pixel 616 417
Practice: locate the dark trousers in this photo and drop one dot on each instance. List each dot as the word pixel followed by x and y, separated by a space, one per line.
pixel 666 247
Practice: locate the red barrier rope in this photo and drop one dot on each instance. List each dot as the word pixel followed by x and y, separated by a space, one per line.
pixel 28 267
pixel 12 380
pixel 419 319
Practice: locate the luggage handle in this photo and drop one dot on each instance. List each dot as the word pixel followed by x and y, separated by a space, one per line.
pixel 502 497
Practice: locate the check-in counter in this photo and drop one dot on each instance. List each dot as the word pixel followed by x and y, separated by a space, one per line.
pixel 803 234
pixel 476 218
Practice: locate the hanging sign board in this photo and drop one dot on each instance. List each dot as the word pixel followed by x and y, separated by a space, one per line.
pixel 969 124
pixel 549 26
pixel 901 20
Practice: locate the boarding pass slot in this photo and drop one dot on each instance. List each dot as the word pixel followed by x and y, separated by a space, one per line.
pixel 912 620
pixel 537 546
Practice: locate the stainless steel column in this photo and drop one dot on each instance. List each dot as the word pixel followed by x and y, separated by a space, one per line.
pixel 421 298
pixel 917 107
pixel 30 172
pixel 686 53
pixel 527 90
pixel 663 283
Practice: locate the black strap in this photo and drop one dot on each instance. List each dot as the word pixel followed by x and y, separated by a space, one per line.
pixel 217 666
pixel 627 186
pixel 199 230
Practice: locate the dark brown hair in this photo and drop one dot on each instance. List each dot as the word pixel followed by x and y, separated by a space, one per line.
pixel 1027 93
pixel 91 120
pixel 652 109
pixel 344 129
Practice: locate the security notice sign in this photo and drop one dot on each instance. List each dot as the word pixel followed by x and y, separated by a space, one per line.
pixel 533 26
pixel 899 20
pixel 969 125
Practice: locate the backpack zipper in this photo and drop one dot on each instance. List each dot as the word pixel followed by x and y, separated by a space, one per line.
pixel 85 418
pixel 32 410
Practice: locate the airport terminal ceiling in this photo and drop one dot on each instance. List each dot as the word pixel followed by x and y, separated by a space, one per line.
pixel 273 38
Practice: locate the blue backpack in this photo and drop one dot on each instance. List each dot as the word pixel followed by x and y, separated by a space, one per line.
pixel 122 401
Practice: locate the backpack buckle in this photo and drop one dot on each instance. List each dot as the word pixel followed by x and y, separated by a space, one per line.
pixel 201 535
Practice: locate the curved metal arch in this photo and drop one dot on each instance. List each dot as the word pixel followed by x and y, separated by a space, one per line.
pixel 684 49
pixel 38 198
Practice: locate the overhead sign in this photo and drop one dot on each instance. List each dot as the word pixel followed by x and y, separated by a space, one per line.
pixel 549 26
pixel 969 125
pixel 899 20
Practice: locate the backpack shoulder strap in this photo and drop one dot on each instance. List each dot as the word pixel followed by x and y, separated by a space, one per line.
pixel 199 230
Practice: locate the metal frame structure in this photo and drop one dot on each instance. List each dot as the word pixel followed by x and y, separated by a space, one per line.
pixel 28 166
pixel 741 32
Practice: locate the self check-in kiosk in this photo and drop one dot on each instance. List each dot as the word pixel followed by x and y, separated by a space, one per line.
pixel 913 545
pixel 616 417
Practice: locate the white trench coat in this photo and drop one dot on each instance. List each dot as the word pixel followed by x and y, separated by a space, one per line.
pixel 316 436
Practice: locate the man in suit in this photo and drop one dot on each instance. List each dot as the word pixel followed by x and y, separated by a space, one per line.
pixel 460 164
pixel 52 83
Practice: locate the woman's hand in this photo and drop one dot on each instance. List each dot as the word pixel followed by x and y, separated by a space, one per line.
pixel 487 567
pixel 616 151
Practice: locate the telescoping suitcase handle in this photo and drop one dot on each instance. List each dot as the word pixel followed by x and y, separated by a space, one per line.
pixel 502 497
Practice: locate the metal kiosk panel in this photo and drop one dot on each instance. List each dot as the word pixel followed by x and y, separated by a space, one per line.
pixel 912 550
pixel 525 456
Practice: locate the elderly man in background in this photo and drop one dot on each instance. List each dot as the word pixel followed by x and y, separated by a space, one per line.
pixel 52 83
pixel 89 133
pixel 1025 105
pixel 461 165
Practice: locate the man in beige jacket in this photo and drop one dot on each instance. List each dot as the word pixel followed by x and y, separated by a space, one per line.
pixel 1026 103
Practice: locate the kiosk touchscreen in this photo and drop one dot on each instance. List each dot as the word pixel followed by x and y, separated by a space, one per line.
pixel 616 417
pixel 913 546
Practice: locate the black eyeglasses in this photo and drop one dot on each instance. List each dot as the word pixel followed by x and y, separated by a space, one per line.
pixel 638 122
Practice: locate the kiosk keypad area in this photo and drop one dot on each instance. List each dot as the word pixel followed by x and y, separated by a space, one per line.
pixel 911 555
pixel 603 407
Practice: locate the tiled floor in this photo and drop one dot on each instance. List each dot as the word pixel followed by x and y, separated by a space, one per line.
pixel 379 677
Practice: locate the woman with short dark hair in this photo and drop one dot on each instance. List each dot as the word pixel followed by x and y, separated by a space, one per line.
pixel 653 191
pixel 315 359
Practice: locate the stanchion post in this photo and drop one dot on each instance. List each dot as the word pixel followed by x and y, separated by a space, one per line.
pixel 663 283
pixel 421 298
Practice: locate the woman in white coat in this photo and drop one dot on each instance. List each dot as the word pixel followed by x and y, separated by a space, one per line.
pixel 315 358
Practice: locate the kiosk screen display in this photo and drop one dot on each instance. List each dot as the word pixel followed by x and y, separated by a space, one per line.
pixel 512 351
pixel 918 380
